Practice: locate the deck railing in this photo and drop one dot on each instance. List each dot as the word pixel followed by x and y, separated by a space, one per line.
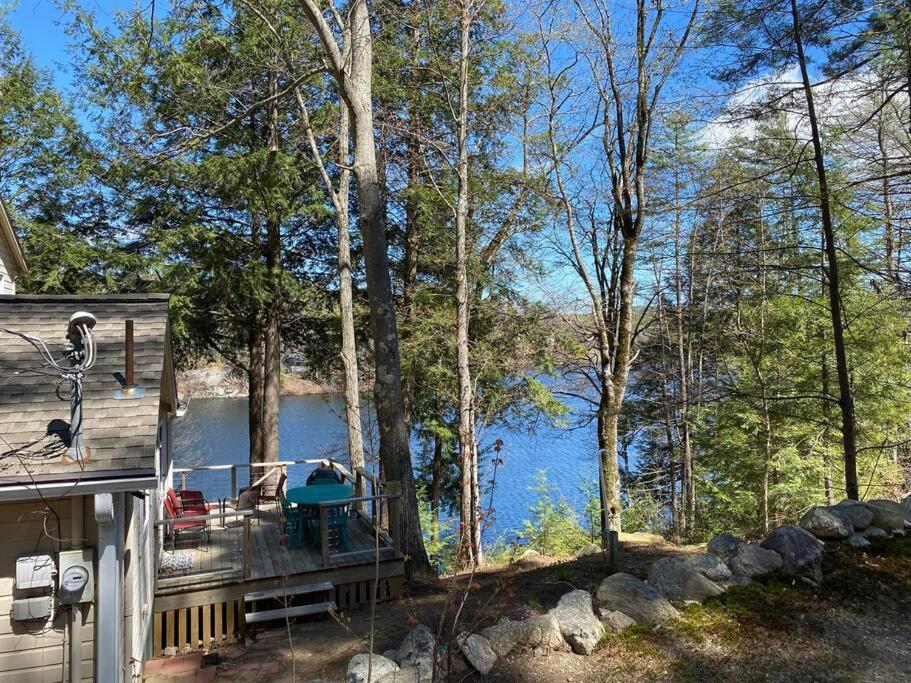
pixel 369 492
pixel 214 560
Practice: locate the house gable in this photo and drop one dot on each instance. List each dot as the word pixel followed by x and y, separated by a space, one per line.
pixel 12 263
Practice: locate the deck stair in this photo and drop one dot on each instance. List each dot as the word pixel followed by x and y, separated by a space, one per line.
pixel 283 597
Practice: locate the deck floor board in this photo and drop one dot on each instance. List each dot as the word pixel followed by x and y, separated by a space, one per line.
pixel 220 560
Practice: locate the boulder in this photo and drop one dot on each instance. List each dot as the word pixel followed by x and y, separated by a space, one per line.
pixel 678 582
pixel 897 509
pixel 724 546
pixel 636 599
pixel 751 559
pixel 858 540
pixel 886 517
pixel 709 565
pixel 616 621
pixel 856 512
pixel 417 651
pixel 538 631
pixel 874 533
pixel 578 623
pixel 800 551
pixel 824 522
pixel 359 665
pixel 588 550
pixel 478 652
pixel 544 631
pixel 408 675
pixel 906 502
pixel 392 654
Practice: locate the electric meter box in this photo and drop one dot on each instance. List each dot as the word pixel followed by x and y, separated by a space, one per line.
pixel 35 571
pixel 76 580
pixel 32 609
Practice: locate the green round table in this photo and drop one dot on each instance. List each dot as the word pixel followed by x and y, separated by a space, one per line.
pixel 311 496
pixel 318 493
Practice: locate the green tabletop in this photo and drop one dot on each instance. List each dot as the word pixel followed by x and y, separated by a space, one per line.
pixel 320 493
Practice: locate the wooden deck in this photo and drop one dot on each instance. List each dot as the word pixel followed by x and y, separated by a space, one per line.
pixel 220 561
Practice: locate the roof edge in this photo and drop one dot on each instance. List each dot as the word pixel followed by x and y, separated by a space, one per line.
pixel 112 298
pixel 6 228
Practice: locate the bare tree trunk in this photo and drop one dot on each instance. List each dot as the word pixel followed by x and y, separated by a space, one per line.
pixel 272 339
pixel 846 396
pixel 354 79
pixel 686 463
pixel 255 380
pixel 470 522
pixel 346 302
pixel 887 199
pixel 436 476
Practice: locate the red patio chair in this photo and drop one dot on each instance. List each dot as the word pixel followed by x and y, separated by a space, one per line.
pixel 194 499
pixel 189 506
pixel 182 527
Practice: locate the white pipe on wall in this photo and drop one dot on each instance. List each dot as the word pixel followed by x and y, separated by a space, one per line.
pixel 109 597
pixel 76 533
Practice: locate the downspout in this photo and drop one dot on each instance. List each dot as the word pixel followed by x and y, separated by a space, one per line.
pixel 109 605
pixel 76 533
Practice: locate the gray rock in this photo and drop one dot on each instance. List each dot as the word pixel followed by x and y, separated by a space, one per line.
pixel 392 654
pixel 858 540
pixel 824 522
pixel 588 550
pixel 616 621
pixel 408 675
pixel 895 508
pixel 874 533
pixel 800 551
pixel 856 512
pixel 537 631
pixel 359 665
pixel 709 565
pixel 724 546
pixel 578 623
pixel 906 502
pixel 478 652
pixel 636 599
pixel 544 631
pixel 417 651
pixel 671 577
pixel 751 560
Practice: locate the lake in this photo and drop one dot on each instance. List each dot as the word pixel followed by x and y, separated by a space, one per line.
pixel 214 431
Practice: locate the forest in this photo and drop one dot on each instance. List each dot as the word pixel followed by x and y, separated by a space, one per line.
pixel 687 220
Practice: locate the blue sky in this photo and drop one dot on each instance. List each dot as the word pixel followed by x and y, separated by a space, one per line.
pixel 42 25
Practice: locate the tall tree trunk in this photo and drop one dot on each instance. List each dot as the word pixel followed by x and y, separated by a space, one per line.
pixel 272 355
pixel 354 78
pixel 683 371
pixel 846 397
pixel 255 380
pixel 436 477
pixel 346 302
pixel 470 505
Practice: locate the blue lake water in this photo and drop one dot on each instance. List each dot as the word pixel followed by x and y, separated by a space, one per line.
pixel 214 431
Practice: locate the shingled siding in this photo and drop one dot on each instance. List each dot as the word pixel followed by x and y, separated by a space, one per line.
pixel 34 421
pixel 7 269
pixel 32 652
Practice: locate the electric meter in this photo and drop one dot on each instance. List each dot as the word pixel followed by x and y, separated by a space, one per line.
pixel 76 582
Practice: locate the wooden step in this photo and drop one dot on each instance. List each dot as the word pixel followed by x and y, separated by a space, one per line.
pixel 300 611
pixel 303 589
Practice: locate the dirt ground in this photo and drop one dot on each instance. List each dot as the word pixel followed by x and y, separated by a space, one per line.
pixel 855 626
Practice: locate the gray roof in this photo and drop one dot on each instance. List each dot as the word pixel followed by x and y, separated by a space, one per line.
pixel 34 421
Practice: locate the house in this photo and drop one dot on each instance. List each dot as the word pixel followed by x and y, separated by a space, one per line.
pixel 81 480
pixel 12 264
